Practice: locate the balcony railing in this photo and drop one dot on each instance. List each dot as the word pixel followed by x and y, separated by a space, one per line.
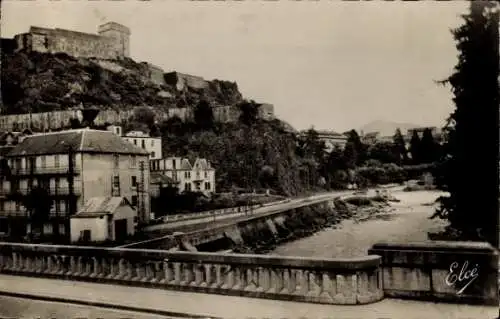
pixel 43 170
pixel 24 213
pixel 53 191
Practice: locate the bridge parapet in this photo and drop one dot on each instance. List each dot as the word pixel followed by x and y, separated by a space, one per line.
pixel 328 281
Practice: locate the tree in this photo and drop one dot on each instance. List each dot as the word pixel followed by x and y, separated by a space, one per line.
pixel 266 176
pixel 400 147
pixel 428 148
pixel 204 115
pixel 384 152
pixel 144 115
pixel 355 151
pixel 38 203
pixel 415 149
pixel 468 172
pixel 249 112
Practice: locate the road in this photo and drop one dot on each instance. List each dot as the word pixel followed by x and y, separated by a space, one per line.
pixel 408 222
pixel 168 229
pixel 28 308
pixel 194 224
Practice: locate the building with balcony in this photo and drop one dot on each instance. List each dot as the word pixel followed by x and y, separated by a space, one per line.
pixel 140 139
pixel 197 177
pixel 73 166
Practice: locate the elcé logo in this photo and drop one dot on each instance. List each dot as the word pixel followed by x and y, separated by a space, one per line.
pixel 465 275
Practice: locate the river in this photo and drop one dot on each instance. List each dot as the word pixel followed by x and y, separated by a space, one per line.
pixel 407 222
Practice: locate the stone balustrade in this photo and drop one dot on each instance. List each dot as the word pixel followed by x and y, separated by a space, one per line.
pixel 463 272
pixel 329 281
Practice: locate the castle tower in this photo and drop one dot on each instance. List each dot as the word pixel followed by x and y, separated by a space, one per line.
pixel 120 33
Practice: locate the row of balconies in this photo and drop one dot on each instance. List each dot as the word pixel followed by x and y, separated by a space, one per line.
pixel 23 213
pixel 43 170
pixel 52 191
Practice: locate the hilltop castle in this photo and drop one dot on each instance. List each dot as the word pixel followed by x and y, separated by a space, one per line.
pixel 111 42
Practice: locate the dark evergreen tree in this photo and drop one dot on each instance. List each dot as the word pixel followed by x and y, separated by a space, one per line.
pixel 428 147
pixel 400 147
pixel 469 171
pixel 204 115
pixel 415 149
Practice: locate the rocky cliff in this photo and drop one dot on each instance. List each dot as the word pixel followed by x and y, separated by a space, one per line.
pixel 43 82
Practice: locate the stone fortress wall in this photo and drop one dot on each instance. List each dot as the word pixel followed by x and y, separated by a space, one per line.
pixel 56 120
pixel 112 42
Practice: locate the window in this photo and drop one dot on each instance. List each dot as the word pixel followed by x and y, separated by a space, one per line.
pixel 143 144
pixel 187 187
pixel 4 227
pixel 134 181
pixel 134 201
pixel 152 143
pixel 116 160
pixel 56 161
pixel 44 161
pixel 152 154
pixel 207 185
pixel 173 163
pixel 133 161
pixel 198 174
pixel 116 181
pixel 206 175
pixel 135 141
pixel 85 235
pixel 56 185
pixel 187 175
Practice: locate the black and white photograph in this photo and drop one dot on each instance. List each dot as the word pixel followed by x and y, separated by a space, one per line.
pixel 249 159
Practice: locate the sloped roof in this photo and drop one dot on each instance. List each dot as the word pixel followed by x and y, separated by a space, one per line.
pixel 201 163
pixel 158 178
pixel 99 206
pixel 185 164
pixel 81 140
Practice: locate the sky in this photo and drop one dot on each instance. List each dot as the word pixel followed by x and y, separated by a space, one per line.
pixel 328 64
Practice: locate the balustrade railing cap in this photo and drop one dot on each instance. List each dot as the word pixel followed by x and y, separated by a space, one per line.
pixel 437 246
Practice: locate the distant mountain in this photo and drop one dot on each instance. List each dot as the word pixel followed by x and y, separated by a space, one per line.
pixel 386 128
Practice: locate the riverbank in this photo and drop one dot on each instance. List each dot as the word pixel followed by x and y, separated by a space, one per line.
pixel 403 221
pixel 306 221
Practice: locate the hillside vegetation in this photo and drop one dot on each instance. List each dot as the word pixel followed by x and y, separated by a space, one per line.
pixel 248 153
pixel 45 82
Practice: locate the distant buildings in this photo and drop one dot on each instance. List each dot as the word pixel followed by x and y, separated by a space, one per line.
pixel 151 144
pixel 332 139
pixel 73 166
pixel 197 177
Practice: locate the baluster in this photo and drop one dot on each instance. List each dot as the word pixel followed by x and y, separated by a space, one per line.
pixel 228 277
pixel 7 262
pixel 15 261
pixel 62 265
pixel 239 278
pixel 57 264
pixel 177 273
pixel 198 271
pixel 168 274
pixel 291 280
pixel 73 266
pixel 47 264
pixel 148 271
pixel 313 284
pixel 94 270
pixel 20 262
pixel 250 279
pixel 78 266
pixel 111 268
pixel 215 280
pixel 286 280
pixel 327 288
pixel 189 269
pixel 264 280
pixel 2 262
pixel 158 273
pixel 123 270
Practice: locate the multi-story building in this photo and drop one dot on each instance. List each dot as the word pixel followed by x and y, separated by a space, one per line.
pixel 151 144
pixel 73 166
pixel 198 177
pixel 332 139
